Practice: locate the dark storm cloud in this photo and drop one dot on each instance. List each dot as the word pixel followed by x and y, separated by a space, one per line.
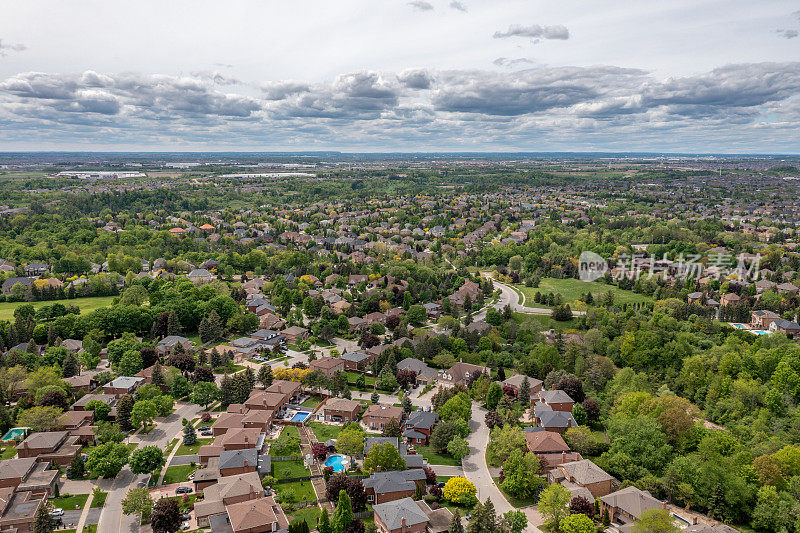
pixel 534 31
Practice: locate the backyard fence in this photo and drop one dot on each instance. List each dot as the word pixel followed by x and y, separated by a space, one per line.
pixel 279 458
pixel 293 479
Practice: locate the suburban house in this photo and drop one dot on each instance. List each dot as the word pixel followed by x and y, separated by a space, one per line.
pixel 229 490
pixel 267 401
pixel 327 365
pixel 551 420
pixel 340 410
pixel 56 446
pixel 233 462
pixel 122 385
pixel 28 475
pixel 557 400
pixel 515 382
pixel 419 426
pixel 409 516
pixel 549 447
pixel 729 298
pixel 785 326
pixel 582 474
pixel 294 334
pixel 382 487
pixel 377 416
pixel 18 510
pixel 169 344
pixel 356 361
pixel 763 318
pixel 462 374
pixel 199 276
pixel 628 504
pixel 253 516
pixel 81 403
pixel 291 389
pixel 425 374
pixel 82 383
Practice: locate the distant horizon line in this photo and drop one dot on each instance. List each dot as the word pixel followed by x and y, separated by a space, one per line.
pixel 431 153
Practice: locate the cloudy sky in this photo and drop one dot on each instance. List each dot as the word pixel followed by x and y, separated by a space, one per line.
pixel 420 75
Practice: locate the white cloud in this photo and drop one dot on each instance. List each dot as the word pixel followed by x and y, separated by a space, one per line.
pixel 534 31
pixel 421 5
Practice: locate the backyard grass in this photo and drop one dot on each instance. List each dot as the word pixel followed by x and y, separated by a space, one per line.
pixel 190 450
pixel 288 469
pixel 353 376
pixel 88 304
pixel 99 500
pixel 90 528
pixel 299 491
pixel 324 432
pixel 70 502
pixel 571 289
pixel 309 514
pixel 312 402
pixel 8 453
pixel 435 458
pixel 178 474
pixel 183 506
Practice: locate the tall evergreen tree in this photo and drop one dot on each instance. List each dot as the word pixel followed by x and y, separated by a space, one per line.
pixel 189 434
pixel 524 394
pixel 43 522
pixel 157 377
pixel 343 514
pixel 173 324
pixel 324 524
pixel 70 367
pixel 265 375
pixel 124 408
pixel 227 395
pixel 455 524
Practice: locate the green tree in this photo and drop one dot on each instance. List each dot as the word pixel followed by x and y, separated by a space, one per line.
pixel 124 410
pixel 76 468
pixel 455 523
pixel 484 518
pixel 521 474
pixel 343 514
pixel 324 524
pixel 391 429
pixel 43 522
pixel 515 521
pixel 138 501
pixel 577 523
pixel 70 367
pixel 107 459
pixel 143 413
pixel 351 440
pixel 205 392
pixel 189 435
pixel 493 395
pixel 554 504
pixel 383 457
pixel 100 409
pixel 147 459
pixel 506 439
pixel 416 315
pixel 654 521
pixel 40 418
pixel 458 448
pixel 265 375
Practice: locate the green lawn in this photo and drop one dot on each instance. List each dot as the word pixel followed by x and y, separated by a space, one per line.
pixel 309 514
pixel 8 453
pixel 324 432
pixel 90 528
pixel 353 376
pixel 544 322
pixel 178 474
pixel 312 402
pixel 287 469
pixel 435 458
pixel 100 500
pixel 299 491
pixel 90 303
pixel 190 450
pixel 184 506
pixel 571 289
pixel 70 503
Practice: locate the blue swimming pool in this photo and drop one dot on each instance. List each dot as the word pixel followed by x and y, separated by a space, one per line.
pixel 300 417
pixel 14 433
pixel 336 462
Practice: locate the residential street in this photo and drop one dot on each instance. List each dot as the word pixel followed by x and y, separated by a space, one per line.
pixel 111 519
pixel 477 471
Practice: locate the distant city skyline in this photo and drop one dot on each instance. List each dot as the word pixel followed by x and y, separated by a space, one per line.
pixel 420 76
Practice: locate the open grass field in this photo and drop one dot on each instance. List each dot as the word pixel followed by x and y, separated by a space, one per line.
pixel 571 289
pixel 544 322
pixel 86 305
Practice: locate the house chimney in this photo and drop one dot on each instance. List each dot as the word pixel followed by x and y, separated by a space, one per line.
pixel 664 505
pixel 245 462
pixel 403 522
pixel 563 457
pixel 694 520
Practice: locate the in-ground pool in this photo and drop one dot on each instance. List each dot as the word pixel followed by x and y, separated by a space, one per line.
pixel 336 462
pixel 300 416
pixel 13 434
pixel 739 326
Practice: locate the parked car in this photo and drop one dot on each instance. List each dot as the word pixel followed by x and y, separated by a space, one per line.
pixel 204 428
pixel 57 512
pixel 185 525
pixel 206 433
pixel 185 516
pixel 183 490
